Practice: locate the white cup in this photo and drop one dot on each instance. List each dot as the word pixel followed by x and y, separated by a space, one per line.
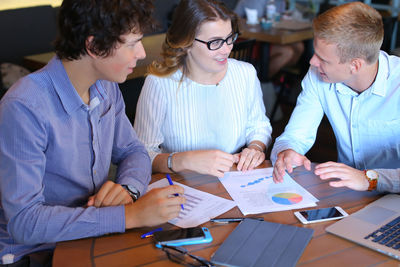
pixel 252 16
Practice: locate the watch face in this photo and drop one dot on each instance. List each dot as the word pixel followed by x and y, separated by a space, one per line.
pixel 371 174
pixel 133 192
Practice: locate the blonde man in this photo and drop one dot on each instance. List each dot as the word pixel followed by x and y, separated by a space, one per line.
pixel 356 86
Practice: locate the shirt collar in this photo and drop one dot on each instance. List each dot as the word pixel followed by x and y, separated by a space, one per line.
pixel 378 87
pixel 69 97
pixel 97 95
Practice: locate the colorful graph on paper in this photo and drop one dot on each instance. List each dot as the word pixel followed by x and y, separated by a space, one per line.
pixel 259 180
pixel 287 198
pixel 255 192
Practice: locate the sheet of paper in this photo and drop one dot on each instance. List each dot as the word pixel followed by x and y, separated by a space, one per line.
pixel 200 206
pixel 255 192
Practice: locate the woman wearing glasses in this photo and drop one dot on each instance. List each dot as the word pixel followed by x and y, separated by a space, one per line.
pixel 200 110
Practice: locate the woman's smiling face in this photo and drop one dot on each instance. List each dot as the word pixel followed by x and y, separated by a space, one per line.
pixel 202 61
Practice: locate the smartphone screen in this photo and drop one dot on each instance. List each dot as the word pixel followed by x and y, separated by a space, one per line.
pixel 320 214
pixel 179 234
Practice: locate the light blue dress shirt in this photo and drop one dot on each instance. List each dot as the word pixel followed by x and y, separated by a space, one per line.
pixel 55 152
pixel 366 125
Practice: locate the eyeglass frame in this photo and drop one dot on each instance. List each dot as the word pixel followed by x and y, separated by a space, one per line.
pixel 184 251
pixel 219 40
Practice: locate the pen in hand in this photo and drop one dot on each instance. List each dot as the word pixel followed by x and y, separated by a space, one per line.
pixel 171 183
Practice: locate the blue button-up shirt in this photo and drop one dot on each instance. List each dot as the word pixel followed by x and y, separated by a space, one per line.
pixel 55 152
pixel 366 125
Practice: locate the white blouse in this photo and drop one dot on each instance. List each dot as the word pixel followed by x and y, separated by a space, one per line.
pixel 176 117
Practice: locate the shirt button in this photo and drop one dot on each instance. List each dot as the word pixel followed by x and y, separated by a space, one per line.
pixel 94 172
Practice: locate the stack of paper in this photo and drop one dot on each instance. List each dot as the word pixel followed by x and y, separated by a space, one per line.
pixel 200 206
pixel 255 192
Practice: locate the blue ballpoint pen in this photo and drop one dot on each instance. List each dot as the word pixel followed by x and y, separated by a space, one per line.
pixel 171 183
pixel 151 233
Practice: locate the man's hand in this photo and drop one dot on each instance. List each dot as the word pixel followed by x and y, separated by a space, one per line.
pixel 211 162
pixel 110 194
pixel 350 177
pixel 155 207
pixel 285 161
pixel 250 158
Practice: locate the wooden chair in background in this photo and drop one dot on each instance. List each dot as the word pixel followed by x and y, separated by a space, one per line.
pixel 243 50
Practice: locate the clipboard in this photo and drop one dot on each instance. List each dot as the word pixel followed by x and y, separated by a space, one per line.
pixel 260 243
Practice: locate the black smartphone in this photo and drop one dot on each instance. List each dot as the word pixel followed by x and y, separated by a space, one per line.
pixel 183 236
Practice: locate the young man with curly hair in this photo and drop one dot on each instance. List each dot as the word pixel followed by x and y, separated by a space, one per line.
pixel 60 128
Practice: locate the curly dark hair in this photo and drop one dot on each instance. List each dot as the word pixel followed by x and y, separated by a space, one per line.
pixel 105 20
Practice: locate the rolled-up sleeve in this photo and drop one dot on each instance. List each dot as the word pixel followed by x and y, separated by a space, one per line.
pixel 389 180
pixel 258 125
pixel 301 131
pixel 150 115
pixel 129 153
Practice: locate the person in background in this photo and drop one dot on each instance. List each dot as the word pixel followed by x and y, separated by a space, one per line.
pixel 198 108
pixel 61 126
pixel 280 55
pixel 357 87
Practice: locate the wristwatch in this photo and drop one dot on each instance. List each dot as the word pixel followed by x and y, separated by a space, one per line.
pixel 169 161
pixel 372 177
pixel 132 191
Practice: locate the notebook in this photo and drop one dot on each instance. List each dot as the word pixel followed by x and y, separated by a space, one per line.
pixel 376 226
pixel 261 243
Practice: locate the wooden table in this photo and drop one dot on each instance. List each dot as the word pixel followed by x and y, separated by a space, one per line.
pixel 268 37
pixel 324 249
pixel 152 45
pixel 274 35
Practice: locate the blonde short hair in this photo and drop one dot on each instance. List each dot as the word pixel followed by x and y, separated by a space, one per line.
pixel 356 29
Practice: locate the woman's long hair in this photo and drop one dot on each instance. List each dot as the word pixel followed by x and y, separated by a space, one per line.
pixel 188 17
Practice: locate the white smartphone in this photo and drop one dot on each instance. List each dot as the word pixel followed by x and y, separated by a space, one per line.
pixel 320 215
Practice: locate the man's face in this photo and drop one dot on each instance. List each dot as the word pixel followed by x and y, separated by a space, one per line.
pixel 120 63
pixel 326 60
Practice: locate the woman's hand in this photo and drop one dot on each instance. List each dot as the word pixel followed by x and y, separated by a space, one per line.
pixel 212 162
pixel 250 157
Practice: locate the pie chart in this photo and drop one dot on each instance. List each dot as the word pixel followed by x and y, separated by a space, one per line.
pixel 287 198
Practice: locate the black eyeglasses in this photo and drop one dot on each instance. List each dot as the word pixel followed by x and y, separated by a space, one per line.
pixel 218 43
pixel 182 256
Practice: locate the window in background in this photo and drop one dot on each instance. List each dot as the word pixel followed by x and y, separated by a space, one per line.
pixel 12 4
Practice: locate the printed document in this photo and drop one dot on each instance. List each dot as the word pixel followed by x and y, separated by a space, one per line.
pixel 200 206
pixel 255 192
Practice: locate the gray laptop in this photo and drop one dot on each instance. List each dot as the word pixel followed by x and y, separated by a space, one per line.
pixel 376 226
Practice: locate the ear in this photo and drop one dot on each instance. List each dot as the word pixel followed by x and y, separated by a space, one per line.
pixel 88 46
pixel 356 64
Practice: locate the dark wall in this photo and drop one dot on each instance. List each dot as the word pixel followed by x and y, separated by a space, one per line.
pixel 26 31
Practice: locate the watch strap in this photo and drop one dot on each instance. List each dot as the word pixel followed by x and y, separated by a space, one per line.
pixel 132 191
pixel 169 161
pixel 372 182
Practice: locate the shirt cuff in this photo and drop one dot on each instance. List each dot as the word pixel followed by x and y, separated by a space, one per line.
pixel 388 180
pixel 277 149
pixel 111 219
